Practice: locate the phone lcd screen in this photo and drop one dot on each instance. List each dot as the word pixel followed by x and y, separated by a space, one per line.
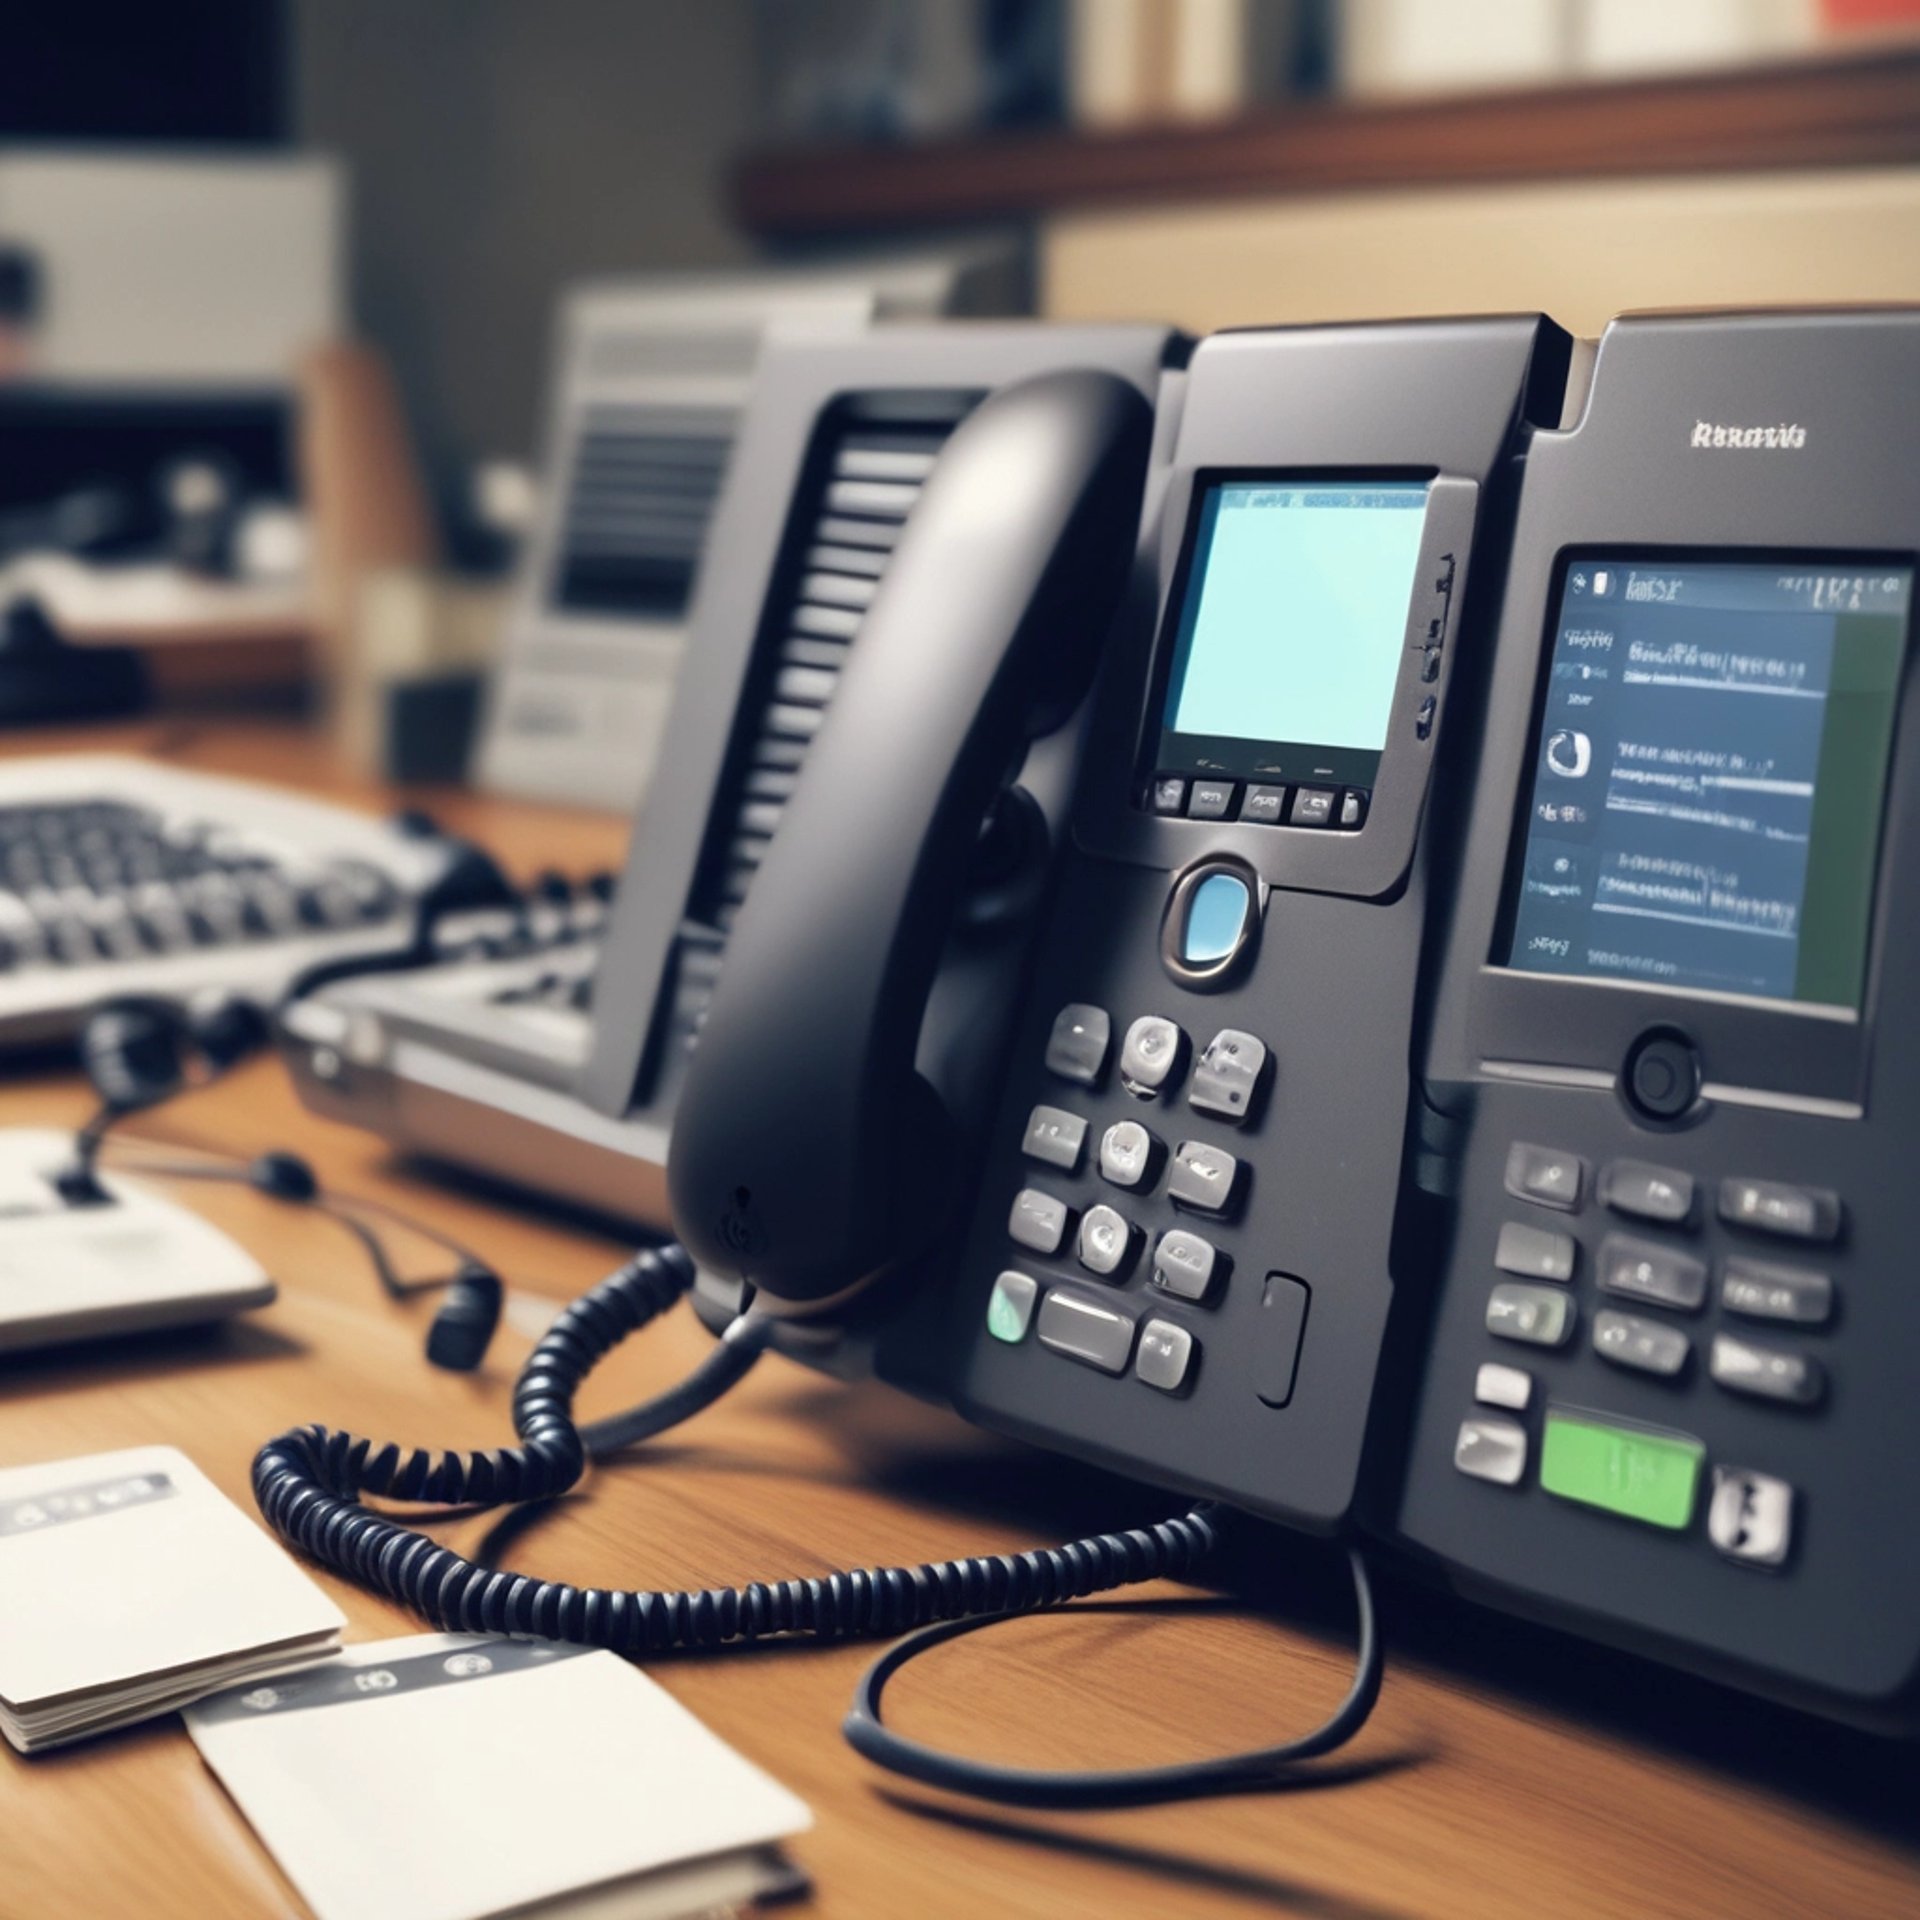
pixel 1709 775
pixel 1291 628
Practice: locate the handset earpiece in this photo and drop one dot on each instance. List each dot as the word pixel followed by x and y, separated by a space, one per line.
pixel 808 1154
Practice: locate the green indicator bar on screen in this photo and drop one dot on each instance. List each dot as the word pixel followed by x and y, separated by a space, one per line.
pixel 1625 1470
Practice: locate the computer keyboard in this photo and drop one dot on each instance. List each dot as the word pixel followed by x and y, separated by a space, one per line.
pixel 119 876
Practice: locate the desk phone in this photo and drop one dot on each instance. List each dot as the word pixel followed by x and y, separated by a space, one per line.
pixel 1451 1080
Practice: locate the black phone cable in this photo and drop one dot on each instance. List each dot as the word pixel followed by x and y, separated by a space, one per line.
pixel 312 1484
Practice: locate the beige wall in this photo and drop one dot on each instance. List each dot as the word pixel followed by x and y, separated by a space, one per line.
pixel 1580 251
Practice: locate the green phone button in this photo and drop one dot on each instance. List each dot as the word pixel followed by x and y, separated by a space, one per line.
pixel 1010 1307
pixel 1644 1476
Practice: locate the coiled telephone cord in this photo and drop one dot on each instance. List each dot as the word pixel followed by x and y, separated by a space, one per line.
pixel 312 1482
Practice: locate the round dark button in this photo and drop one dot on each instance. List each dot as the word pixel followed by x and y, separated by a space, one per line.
pixel 1662 1079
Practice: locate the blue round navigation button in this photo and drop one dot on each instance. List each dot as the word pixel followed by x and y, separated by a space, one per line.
pixel 1212 915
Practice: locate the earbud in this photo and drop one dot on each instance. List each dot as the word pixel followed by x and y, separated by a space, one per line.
pixel 136 1053
pixel 464 1326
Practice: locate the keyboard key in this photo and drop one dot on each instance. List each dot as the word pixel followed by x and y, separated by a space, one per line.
pixel 1106 1242
pixel 1498 1386
pixel 1537 1316
pixel 1087 1329
pixel 1545 1175
pixel 1534 1253
pixel 1055 1137
pixel 1150 1055
pixel 1077 1047
pixel 1165 1356
pixel 1777 1207
pixel 1127 1152
pixel 1038 1220
pixel 1648 1271
pixel 1647 1192
pixel 1768 1373
pixel 1762 1291
pixel 1204 1178
pixel 1184 1264
pixel 1493 1450
pixel 1647 1346
pixel 1750 1516
pixel 1010 1306
pixel 1226 1083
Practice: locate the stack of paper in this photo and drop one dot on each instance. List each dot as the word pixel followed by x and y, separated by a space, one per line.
pixel 129 1585
pixel 449 1777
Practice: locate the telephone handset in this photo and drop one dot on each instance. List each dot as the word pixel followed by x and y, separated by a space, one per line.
pixel 807 1151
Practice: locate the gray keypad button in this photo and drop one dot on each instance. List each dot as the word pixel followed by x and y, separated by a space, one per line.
pixel 1545 1175
pixel 1126 1154
pixel 1166 1354
pixel 1266 806
pixel 1645 1270
pixel 1768 1373
pixel 1169 795
pixel 1010 1306
pixel 1210 800
pixel 1750 1517
pixel 1534 1253
pixel 1184 1264
pixel 1077 1047
pixel 1227 1080
pixel 1353 809
pixel 1055 1137
pixel 1106 1241
pixel 1774 1206
pixel 1762 1291
pixel 1648 1192
pixel 1204 1178
pixel 1312 806
pixel 1647 1346
pixel 1498 1386
pixel 1493 1450
pixel 1539 1316
pixel 1038 1220
pixel 1150 1054
pixel 1086 1329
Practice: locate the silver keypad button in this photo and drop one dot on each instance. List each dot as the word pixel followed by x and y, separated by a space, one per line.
pixel 1534 1253
pixel 1055 1137
pixel 1184 1264
pixel 1648 1192
pixel 1539 1316
pixel 1768 1373
pixel 1762 1291
pixel 1084 1328
pixel 1647 1346
pixel 1545 1175
pixel 1164 1356
pixel 1774 1206
pixel 1077 1047
pixel 1106 1241
pixel 1038 1220
pixel 1498 1386
pixel 1150 1055
pixel 1204 1178
pixel 1126 1154
pixel 1646 1270
pixel 1227 1080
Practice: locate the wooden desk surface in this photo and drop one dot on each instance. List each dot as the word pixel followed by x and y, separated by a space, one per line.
pixel 1514 1771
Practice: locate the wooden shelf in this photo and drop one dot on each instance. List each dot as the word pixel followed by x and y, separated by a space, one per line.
pixel 1857 110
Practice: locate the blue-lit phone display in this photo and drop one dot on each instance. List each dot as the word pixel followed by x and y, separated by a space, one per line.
pixel 1291 629
pixel 1710 772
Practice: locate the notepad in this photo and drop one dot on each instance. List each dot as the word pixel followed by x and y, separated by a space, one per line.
pixel 452 1777
pixel 129 1585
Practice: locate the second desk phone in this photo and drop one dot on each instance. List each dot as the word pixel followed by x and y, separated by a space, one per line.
pixel 1415 1043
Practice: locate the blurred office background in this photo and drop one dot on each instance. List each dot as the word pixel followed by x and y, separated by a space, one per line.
pixel 281 281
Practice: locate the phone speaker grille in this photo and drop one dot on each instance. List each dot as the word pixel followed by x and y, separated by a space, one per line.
pixel 867 485
pixel 641 490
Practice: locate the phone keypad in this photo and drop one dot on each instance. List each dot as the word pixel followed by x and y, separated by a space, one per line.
pixel 1177 1204
pixel 1655 1285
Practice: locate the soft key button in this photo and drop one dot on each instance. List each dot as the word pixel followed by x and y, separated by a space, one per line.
pixel 1647 1192
pixel 1166 1354
pixel 1084 1328
pixel 1106 1242
pixel 1545 1175
pixel 1150 1055
pixel 1498 1386
pixel 1055 1137
pixel 1227 1080
pixel 1038 1220
pixel 1077 1047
